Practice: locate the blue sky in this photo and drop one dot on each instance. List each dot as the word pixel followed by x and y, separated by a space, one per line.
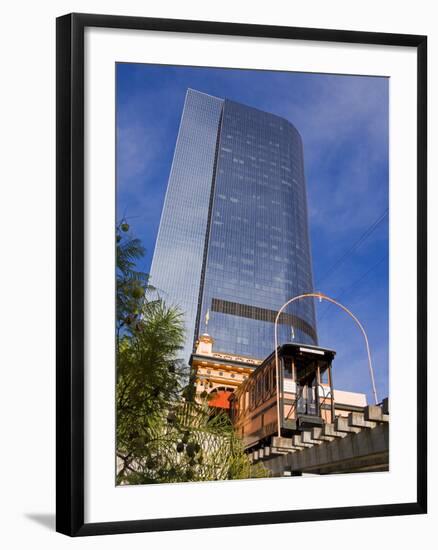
pixel 343 121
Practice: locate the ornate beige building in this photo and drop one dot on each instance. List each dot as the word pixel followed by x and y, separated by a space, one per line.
pixel 219 373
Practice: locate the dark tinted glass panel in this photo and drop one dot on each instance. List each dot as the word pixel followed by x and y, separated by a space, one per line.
pixel 258 254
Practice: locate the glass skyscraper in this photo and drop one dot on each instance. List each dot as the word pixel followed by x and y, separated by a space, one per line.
pixel 233 238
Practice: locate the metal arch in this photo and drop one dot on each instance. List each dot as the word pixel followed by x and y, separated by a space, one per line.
pixel 328 299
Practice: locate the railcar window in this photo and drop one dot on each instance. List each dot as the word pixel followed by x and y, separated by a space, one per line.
pixel 324 372
pixel 259 389
pixel 233 411
pixel 267 386
pixel 252 396
pixel 305 370
pixel 288 368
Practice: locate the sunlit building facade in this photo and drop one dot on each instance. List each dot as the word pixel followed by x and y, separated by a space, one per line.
pixel 233 242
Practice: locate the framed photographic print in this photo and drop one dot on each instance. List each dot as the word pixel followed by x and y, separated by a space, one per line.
pixel 241 274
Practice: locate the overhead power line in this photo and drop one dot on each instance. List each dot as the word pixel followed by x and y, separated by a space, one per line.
pixel 335 266
pixel 348 290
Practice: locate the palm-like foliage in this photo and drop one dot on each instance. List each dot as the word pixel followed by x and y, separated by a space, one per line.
pixel 149 377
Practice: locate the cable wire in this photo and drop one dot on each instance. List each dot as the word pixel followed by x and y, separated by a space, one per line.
pixel 335 265
pixel 347 290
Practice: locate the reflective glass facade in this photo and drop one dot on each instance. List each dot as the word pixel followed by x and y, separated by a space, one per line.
pixel 241 198
pixel 178 255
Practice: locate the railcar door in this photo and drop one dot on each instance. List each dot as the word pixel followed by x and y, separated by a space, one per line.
pixel 307 387
pixel 307 399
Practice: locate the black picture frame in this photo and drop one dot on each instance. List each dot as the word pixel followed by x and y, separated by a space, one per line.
pixel 70 273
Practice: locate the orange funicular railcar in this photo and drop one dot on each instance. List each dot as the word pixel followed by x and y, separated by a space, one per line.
pixel 261 409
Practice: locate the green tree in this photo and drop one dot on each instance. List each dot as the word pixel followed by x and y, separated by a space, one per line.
pixel 163 433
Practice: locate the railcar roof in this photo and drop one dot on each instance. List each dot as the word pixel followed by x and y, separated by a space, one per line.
pixel 310 346
pixel 290 347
